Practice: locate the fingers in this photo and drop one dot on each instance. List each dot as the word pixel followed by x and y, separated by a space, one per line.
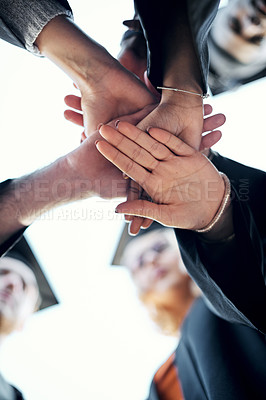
pixel 134 193
pixel 74 117
pixel 173 143
pixel 145 209
pixel 135 225
pixel 146 223
pixel 83 137
pixel 207 109
pixel 73 102
pixel 135 152
pixel 210 140
pixel 141 138
pixel 158 148
pixel 121 161
pixel 213 122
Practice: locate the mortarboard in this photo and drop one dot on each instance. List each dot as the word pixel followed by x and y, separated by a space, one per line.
pixel 22 251
pixel 125 238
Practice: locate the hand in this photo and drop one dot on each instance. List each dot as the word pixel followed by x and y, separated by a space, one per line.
pixel 185 187
pixel 210 124
pixel 207 141
pixel 117 94
pixel 108 90
pixel 92 172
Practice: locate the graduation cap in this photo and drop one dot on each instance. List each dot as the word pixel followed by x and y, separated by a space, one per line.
pixel 22 252
pixel 126 238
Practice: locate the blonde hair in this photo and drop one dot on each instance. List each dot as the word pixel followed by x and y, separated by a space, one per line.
pixel 169 309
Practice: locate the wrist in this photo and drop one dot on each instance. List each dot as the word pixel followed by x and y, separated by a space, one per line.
pixel 183 99
pixel 31 196
pixel 223 230
pixel 221 225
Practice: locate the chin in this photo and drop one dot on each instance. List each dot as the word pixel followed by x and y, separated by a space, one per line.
pixel 8 324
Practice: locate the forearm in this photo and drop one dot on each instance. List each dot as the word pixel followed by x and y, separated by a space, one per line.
pixel 72 50
pixel 181 67
pixel 26 198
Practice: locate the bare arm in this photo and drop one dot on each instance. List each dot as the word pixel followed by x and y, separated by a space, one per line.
pixel 80 174
pixel 108 90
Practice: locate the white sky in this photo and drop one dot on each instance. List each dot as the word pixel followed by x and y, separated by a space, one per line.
pixel 98 343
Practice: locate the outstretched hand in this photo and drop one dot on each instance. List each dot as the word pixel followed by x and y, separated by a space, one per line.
pixel 185 187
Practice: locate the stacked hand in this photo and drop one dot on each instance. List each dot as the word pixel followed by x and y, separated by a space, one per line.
pixel 185 188
pixel 123 93
pixel 118 93
pixel 104 167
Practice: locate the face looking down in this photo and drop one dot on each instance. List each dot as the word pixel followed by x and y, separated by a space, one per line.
pixel 154 261
pixel 240 30
pixel 19 294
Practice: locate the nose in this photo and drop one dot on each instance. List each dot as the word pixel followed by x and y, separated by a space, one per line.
pixel 12 282
pixel 151 257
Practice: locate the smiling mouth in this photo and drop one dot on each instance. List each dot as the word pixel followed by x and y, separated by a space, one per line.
pixel 5 296
pixel 160 273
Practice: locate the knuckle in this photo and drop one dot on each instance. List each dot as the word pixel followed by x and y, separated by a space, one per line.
pixel 129 166
pixel 136 153
pixel 155 147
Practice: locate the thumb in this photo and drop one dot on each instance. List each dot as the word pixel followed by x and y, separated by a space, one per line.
pixel 142 208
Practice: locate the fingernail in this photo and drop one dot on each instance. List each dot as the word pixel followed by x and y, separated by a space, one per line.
pixel 96 141
pixel 117 123
pixel 149 127
pixel 99 126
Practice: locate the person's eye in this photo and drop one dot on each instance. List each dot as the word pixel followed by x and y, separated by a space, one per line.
pixel 23 284
pixel 4 271
pixel 141 261
pixel 160 247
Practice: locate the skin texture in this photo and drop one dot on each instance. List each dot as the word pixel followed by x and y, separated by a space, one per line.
pixel 109 91
pixel 185 187
pixel 210 125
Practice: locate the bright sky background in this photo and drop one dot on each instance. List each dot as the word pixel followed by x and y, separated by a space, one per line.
pixel 98 343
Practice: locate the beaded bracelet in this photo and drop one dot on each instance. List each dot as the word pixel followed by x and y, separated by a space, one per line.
pixel 222 207
pixel 202 95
